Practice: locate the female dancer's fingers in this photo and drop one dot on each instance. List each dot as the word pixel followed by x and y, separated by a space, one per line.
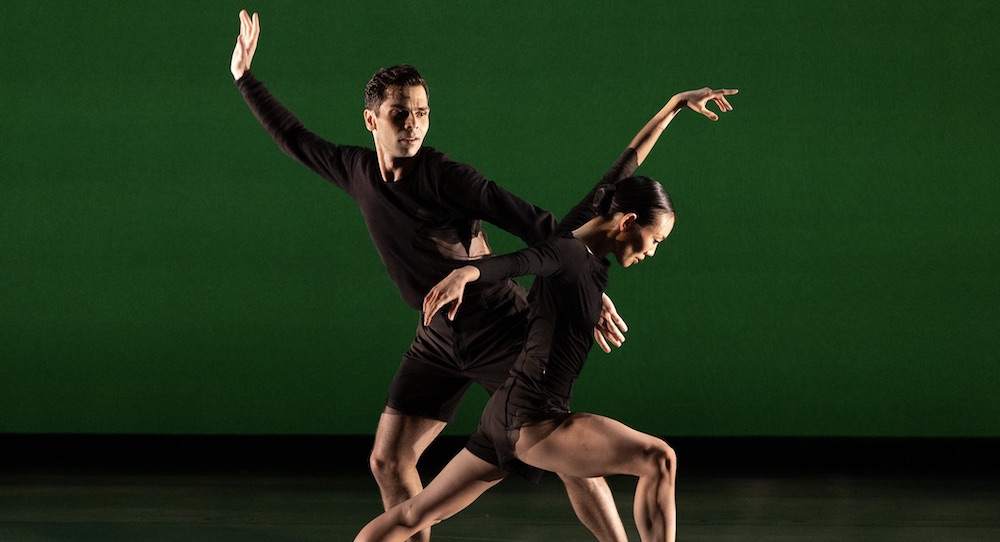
pixel 430 308
pixel 453 311
pixel 707 112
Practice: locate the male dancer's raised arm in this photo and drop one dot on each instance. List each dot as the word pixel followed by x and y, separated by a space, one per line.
pixel 246 44
pixel 476 197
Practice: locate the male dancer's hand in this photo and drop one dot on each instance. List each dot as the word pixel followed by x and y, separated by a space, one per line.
pixel 246 44
pixel 610 326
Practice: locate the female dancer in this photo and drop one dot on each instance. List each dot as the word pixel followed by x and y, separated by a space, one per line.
pixel 527 426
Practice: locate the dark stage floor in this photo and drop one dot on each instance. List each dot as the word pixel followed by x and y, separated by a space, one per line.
pixel 205 498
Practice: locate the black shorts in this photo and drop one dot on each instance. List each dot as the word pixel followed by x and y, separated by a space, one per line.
pixel 508 410
pixel 446 357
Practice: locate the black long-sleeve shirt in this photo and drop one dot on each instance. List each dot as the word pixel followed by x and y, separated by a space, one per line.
pixel 423 225
pixel 565 300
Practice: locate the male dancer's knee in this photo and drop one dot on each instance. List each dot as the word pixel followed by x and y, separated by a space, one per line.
pixel 390 466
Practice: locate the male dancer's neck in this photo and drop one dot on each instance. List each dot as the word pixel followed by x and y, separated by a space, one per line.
pixel 394 169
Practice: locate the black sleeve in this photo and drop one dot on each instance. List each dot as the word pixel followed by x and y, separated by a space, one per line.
pixel 332 162
pixel 624 167
pixel 546 259
pixel 477 197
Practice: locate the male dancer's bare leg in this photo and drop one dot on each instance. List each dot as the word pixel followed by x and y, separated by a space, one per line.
pixel 400 440
pixel 595 506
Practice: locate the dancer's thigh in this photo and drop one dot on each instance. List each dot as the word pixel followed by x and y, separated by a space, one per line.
pixel 460 483
pixel 587 445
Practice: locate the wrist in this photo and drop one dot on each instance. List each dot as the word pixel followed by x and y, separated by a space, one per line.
pixel 673 106
pixel 469 273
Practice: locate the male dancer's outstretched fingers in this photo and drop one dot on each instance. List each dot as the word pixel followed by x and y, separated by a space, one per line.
pixel 249 30
pixel 601 342
pixel 246 44
pixel 610 312
pixel 610 326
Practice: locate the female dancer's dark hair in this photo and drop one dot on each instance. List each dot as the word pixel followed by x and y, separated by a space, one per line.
pixel 638 194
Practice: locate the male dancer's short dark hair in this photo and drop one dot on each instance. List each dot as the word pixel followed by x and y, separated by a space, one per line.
pixel 401 75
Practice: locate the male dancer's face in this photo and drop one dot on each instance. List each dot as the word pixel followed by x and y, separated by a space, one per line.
pixel 401 122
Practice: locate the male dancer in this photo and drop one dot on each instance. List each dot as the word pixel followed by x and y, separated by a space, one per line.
pixel 423 213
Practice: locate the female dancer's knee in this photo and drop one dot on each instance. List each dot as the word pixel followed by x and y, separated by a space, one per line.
pixel 660 459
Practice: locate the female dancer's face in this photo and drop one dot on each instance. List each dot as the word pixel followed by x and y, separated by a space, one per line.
pixel 639 242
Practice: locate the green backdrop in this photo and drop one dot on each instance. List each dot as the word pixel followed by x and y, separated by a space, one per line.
pixel 164 268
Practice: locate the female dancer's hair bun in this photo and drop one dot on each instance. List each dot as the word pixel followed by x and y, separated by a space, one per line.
pixel 602 198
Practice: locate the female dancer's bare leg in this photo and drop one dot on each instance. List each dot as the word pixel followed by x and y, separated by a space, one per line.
pixel 588 445
pixel 460 483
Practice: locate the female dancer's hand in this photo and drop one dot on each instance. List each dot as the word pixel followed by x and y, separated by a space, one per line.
pixel 696 100
pixel 449 290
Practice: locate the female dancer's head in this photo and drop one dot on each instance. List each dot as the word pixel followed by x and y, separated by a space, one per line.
pixel 640 214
